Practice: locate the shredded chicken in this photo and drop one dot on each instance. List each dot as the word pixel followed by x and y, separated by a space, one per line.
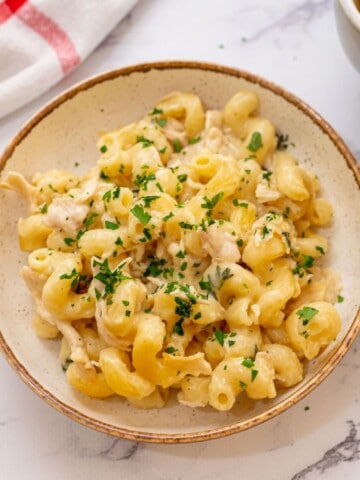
pixel 17 183
pixel 192 364
pixel 325 286
pixel 174 130
pixel 102 311
pixel 213 118
pixel 65 213
pixel 215 139
pixel 265 193
pixel 220 245
pixel 86 191
pixel 35 282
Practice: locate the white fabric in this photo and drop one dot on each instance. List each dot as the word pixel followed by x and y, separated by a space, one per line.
pixel 29 61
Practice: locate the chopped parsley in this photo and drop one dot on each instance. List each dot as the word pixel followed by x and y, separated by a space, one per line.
pixel 88 221
pixel 194 140
pixel 69 241
pixel 320 249
pixel 79 283
pixel 303 266
pixel 182 178
pixel 178 327
pixel 109 278
pixel 237 203
pixel 144 141
pixel 140 214
pixel 167 217
pixel 220 336
pixel 340 298
pixel 265 231
pixel 111 225
pixel 156 111
pixel 103 149
pixel 287 212
pixel 177 145
pixel 143 180
pixel 154 269
pixel 183 307
pixel 119 242
pixel 266 176
pixel 210 203
pixel 248 362
pixel 111 194
pixel 147 200
pixel 44 208
pixel 306 314
pixel 161 121
pixel 170 350
pixel 66 364
pixel 186 226
pixel 282 141
pixel 255 142
pixel 215 282
pixel 286 235
pixel 271 216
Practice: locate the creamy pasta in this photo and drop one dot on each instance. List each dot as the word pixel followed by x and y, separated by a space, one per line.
pixel 184 261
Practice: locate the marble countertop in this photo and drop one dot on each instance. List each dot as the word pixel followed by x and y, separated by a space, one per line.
pixel 293 43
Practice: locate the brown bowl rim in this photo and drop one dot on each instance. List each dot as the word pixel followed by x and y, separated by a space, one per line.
pixel 298 394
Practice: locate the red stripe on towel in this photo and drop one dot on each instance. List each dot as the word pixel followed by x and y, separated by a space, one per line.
pixel 8 8
pixel 50 31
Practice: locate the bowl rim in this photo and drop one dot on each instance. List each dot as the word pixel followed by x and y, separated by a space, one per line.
pixel 352 13
pixel 217 432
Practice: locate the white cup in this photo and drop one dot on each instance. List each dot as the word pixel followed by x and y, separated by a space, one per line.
pixel 347 14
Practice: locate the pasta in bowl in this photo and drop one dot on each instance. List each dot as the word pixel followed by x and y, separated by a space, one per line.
pixel 186 264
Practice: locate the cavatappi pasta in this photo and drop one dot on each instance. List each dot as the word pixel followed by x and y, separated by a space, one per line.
pixel 184 260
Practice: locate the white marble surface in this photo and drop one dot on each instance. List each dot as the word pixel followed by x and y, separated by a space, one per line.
pixel 295 44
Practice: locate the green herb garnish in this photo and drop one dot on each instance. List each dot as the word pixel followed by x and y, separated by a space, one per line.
pixel 177 145
pixel 111 225
pixel 144 141
pixel 140 214
pixel 255 142
pixel 306 314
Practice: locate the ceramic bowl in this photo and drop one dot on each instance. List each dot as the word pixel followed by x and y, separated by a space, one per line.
pixel 347 14
pixel 64 133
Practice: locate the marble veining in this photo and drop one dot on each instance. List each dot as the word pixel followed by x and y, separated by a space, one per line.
pixel 294 43
pixel 299 15
pixel 7 421
pixel 80 444
pixel 348 450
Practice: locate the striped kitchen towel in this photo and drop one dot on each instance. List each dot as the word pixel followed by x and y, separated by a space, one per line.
pixel 41 41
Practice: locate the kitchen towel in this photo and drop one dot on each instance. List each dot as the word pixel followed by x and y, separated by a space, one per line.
pixel 41 41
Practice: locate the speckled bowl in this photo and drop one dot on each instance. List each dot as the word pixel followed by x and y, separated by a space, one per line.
pixel 65 132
